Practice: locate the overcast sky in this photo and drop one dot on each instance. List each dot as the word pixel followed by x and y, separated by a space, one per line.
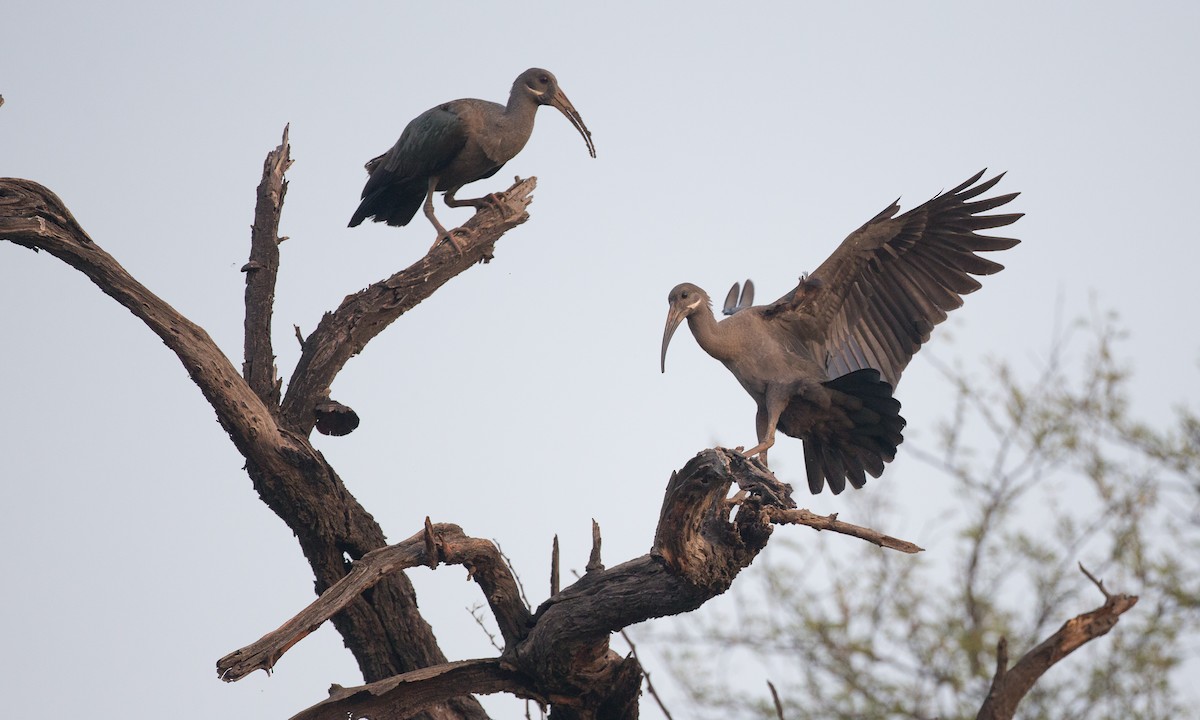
pixel 525 397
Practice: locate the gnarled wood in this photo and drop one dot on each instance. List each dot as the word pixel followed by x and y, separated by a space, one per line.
pixel 561 655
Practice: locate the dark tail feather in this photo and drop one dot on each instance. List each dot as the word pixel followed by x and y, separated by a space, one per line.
pixel 834 455
pixel 392 204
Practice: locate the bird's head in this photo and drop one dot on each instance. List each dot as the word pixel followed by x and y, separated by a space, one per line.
pixel 542 87
pixel 684 300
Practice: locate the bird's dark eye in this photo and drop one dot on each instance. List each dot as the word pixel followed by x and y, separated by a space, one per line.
pixel 543 79
pixel 683 295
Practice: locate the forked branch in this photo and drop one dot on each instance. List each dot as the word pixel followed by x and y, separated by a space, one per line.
pixel 1009 686
pixel 344 332
pixel 440 543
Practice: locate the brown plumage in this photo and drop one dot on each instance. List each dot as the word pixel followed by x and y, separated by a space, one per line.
pixel 822 361
pixel 456 143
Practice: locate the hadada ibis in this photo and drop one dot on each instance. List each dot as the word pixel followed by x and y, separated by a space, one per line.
pixel 457 143
pixel 822 361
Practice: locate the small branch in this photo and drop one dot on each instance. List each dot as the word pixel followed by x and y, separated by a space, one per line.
pixel 775 697
pixel 554 565
pixel 258 366
pixel 1001 670
pixel 594 562
pixel 513 571
pixel 1097 583
pixel 649 685
pixel 478 617
pixel 450 546
pixel 830 522
pixel 346 331
pixel 431 559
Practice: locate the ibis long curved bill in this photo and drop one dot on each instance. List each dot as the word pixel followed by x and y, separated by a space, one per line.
pixel 674 317
pixel 560 101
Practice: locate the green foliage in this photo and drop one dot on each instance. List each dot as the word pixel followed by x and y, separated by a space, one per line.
pixel 1047 472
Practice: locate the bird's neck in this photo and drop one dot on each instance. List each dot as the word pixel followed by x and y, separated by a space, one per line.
pixel 708 334
pixel 515 125
pixel 521 108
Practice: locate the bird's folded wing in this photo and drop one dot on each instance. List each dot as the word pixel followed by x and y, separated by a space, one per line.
pixel 426 146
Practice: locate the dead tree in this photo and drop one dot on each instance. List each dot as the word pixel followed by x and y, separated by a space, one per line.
pixel 557 654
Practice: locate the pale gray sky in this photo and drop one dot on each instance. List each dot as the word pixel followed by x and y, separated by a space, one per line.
pixel 732 143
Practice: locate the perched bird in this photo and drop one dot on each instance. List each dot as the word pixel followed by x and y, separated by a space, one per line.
pixel 821 362
pixel 456 143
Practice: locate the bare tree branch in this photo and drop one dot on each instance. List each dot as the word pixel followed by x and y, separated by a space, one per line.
pixel 594 563
pixel 831 523
pixel 775 697
pixel 258 366
pixel 554 564
pixel 436 543
pixel 1010 685
pixel 346 331
pixel 662 706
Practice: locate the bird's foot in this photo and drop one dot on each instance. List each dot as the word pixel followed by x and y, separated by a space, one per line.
pixel 758 451
pixel 495 201
pixel 491 201
pixel 449 235
pixel 736 499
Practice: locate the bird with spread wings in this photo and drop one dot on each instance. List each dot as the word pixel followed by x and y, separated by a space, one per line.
pixel 822 361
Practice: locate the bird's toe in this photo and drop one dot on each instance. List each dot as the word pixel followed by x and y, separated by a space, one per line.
pixel 451 236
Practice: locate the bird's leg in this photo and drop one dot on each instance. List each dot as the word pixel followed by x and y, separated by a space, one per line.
pixel 442 233
pixel 765 422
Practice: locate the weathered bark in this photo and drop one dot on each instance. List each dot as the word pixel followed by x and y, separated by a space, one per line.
pixel 440 543
pixel 258 366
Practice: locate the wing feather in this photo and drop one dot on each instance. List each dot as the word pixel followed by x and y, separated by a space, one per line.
pixel 428 144
pixel 877 298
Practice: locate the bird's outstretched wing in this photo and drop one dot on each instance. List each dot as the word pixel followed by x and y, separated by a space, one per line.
pixel 879 295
